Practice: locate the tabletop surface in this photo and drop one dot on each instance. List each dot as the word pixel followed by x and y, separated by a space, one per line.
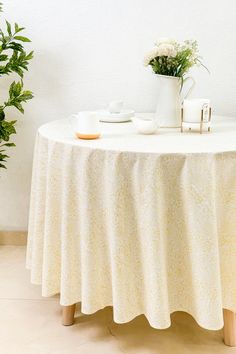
pixel 124 137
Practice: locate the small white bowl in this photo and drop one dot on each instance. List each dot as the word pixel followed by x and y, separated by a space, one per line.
pixel 146 125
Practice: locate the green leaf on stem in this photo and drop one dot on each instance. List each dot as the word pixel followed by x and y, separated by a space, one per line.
pixel 8 145
pixel 29 56
pixel 9 29
pixel 2 115
pixel 3 57
pixel 22 39
pixel 18 29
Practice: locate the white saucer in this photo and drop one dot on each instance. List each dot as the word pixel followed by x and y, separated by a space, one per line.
pixel 124 116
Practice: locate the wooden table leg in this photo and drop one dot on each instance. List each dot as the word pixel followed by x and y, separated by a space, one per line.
pixel 229 328
pixel 68 313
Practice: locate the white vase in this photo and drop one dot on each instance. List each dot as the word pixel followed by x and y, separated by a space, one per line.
pixel 169 101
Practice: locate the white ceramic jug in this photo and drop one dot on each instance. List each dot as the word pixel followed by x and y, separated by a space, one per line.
pixel 169 101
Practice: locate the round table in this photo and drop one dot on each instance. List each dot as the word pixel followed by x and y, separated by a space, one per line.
pixel 143 223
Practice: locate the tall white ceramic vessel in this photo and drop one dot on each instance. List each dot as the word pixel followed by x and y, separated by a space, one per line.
pixel 170 99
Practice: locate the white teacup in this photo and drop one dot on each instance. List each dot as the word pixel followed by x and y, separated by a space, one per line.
pixel 192 109
pixel 86 125
pixel 115 106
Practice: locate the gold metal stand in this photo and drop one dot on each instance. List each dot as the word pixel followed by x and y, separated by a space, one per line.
pixel 201 121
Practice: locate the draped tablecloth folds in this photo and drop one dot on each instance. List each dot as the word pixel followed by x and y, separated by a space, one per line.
pixel 146 224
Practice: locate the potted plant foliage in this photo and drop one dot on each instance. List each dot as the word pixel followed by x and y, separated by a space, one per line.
pixel 13 59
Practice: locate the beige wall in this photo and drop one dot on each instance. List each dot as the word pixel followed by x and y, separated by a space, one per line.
pixel 88 52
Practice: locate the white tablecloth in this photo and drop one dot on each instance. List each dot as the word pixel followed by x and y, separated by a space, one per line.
pixel 146 224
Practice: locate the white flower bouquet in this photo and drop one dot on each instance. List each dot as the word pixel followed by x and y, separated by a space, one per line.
pixel 170 58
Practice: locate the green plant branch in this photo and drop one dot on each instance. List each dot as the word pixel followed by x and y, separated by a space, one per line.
pixel 14 59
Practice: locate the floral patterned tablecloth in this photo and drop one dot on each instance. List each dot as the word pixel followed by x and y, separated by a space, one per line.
pixel 146 224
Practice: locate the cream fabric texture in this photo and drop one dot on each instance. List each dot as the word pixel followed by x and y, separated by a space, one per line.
pixel 147 232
